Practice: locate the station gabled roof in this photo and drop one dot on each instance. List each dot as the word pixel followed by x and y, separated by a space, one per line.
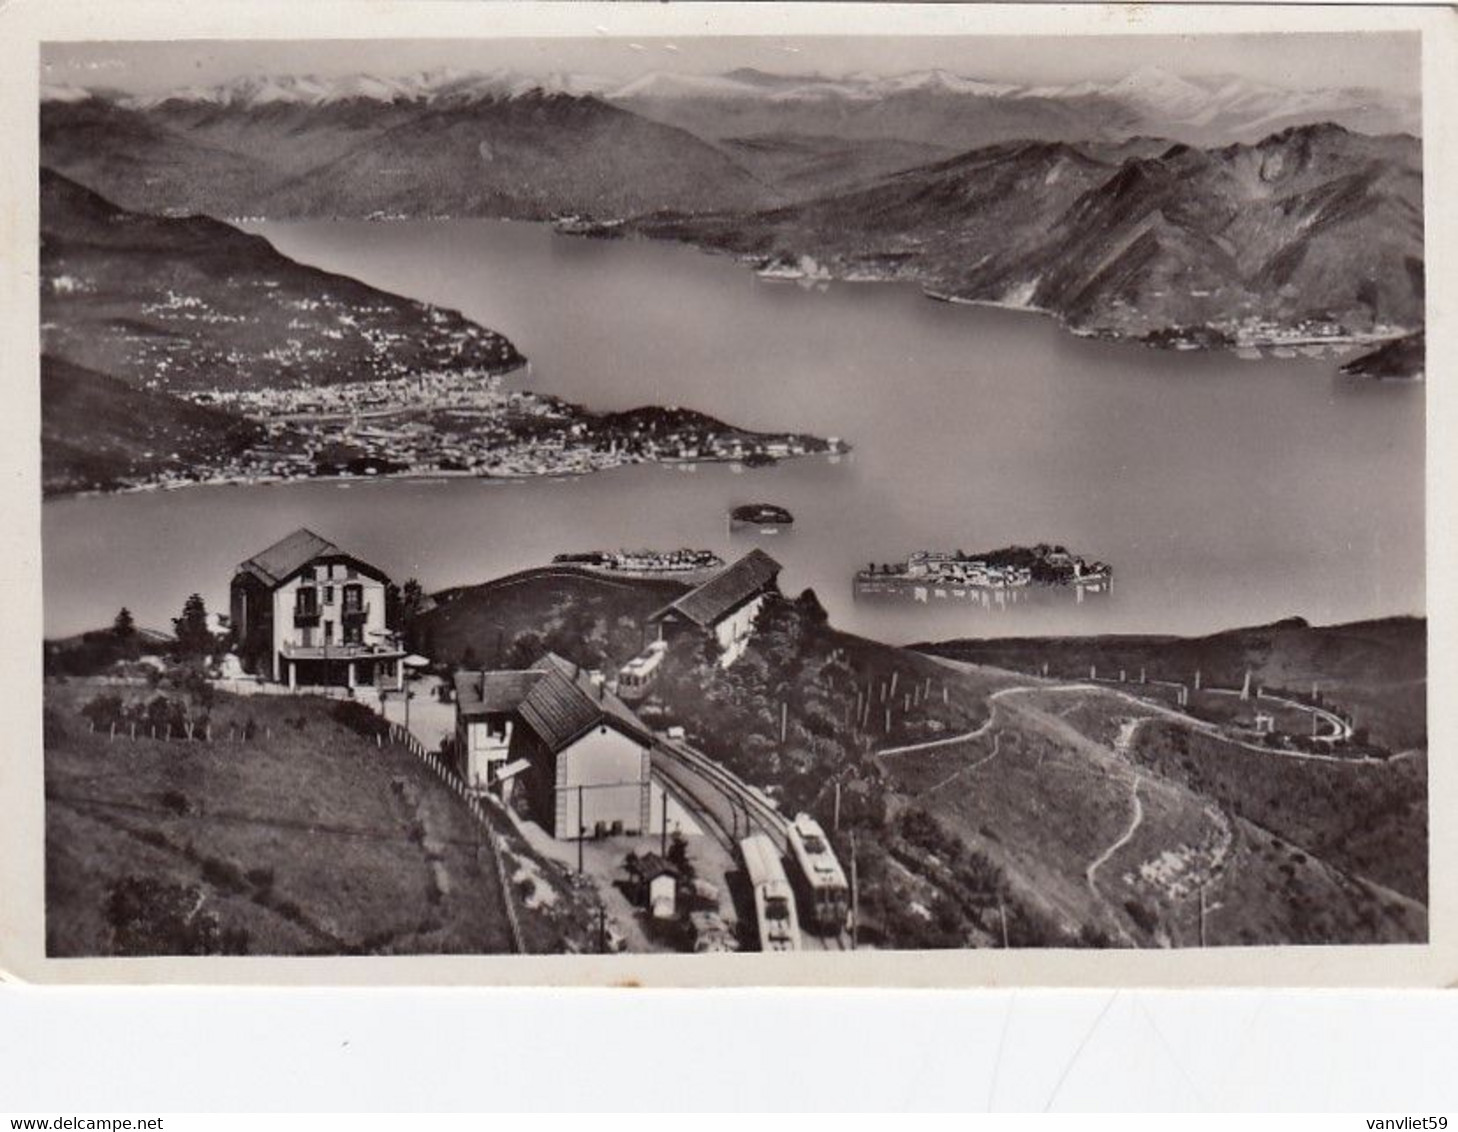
pixel 285 558
pixel 726 591
pixel 564 704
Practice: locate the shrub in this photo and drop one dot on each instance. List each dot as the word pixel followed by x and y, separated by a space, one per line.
pixel 358 718
pixel 223 874
pixel 1142 915
pixel 104 712
pixel 165 715
pixel 152 917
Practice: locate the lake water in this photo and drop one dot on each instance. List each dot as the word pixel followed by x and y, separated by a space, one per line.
pixel 1224 492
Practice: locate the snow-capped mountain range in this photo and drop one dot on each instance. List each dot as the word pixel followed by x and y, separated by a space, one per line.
pixel 1152 95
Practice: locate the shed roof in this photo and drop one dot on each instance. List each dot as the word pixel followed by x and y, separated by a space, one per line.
pixel 650 866
pixel 726 591
pixel 493 693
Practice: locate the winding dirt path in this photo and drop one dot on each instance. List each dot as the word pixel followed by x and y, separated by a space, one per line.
pixel 1128 835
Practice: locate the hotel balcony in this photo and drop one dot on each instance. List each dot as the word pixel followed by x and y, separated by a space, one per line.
pixel 306 618
pixel 335 651
pixel 355 615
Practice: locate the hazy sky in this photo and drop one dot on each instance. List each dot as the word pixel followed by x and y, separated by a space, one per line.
pixel 1381 60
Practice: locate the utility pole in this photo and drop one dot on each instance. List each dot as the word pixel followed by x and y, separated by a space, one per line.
pixel 835 821
pixel 581 828
pixel 663 840
pixel 1002 916
pixel 855 895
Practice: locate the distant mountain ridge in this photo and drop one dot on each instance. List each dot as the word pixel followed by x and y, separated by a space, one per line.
pixel 939 107
pixel 1315 232
pixel 1151 99
pixel 523 153
pixel 466 143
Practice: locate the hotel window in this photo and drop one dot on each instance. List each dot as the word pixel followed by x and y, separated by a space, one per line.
pixel 328 595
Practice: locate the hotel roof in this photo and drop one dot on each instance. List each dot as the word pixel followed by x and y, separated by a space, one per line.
pixel 290 554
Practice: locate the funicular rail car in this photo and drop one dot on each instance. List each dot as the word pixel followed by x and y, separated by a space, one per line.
pixel 824 893
pixel 774 902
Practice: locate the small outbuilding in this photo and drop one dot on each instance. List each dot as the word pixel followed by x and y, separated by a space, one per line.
pixel 654 884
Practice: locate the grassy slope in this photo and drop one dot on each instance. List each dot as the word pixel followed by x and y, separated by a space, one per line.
pixel 1367 819
pixel 1378 668
pixel 1050 788
pixel 367 850
pixel 96 430
pixel 589 619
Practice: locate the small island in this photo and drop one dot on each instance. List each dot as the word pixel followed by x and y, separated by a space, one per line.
pixel 760 515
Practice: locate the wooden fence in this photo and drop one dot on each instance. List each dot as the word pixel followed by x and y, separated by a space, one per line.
pixel 478 811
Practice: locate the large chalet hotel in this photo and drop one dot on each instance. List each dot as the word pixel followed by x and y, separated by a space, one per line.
pixel 306 613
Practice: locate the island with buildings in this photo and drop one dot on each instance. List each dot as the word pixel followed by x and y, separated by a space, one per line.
pixel 1009 569
pixel 686 562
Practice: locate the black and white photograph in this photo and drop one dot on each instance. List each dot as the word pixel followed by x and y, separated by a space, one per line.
pixel 628 496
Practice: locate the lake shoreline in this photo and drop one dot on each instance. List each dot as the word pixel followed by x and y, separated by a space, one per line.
pixel 1205 338
pixel 564 476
